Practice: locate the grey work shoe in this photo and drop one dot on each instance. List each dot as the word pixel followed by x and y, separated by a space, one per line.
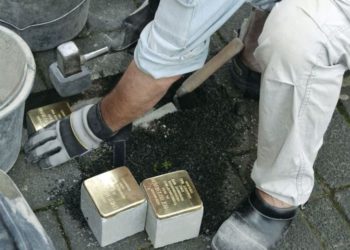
pixel 254 225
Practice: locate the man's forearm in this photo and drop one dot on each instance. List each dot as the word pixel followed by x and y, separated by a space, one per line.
pixel 135 94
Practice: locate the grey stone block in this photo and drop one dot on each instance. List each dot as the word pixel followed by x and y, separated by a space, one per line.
pixel 300 236
pixel 44 187
pixel 49 222
pixel 108 65
pixel 71 85
pixel 343 198
pixel 116 227
pixel 81 237
pixel 108 16
pixel 174 229
pixel 92 42
pixel 333 160
pixel 332 229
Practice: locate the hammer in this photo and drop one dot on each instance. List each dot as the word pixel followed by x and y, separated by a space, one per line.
pixel 198 78
pixel 69 75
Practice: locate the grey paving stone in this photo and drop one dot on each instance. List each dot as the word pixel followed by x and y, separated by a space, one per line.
pixel 333 160
pixel 333 230
pixel 343 198
pixel 109 65
pixel 234 23
pixel 300 236
pixel 52 227
pixel 92 42
pixel 318 191
pixel 44 187
pixel 108 15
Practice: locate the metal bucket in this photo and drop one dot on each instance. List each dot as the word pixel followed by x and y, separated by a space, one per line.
pixel 17 71
pixel 44 24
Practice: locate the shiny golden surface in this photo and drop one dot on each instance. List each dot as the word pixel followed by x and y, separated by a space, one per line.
pixel 41 117
pixel 114 191
pixel 172 194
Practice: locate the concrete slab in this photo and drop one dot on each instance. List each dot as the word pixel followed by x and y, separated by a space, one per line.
pixel 333 160
pixel 343 198
pixel 42 188
pixel 330 225
pixel 49 221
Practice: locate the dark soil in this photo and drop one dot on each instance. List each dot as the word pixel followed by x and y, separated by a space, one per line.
pixel 203 139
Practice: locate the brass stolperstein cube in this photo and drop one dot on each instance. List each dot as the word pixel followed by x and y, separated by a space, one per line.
pixel 172 194
pixel 114 191
pixel 43 116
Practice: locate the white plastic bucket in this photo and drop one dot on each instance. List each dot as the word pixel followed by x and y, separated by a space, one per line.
pixel 17 72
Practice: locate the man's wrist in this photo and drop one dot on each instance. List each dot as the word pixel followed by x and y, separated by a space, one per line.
pixel 97 124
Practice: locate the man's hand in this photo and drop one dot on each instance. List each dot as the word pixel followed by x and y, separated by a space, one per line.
pixel 82 131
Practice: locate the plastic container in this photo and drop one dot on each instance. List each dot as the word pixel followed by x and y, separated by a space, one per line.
pixel 19 227
pixel 17 71
pixel 44 24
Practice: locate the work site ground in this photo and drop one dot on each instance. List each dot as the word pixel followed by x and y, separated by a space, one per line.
pixel 213 137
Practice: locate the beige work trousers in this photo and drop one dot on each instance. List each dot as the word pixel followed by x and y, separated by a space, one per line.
pixel 303 52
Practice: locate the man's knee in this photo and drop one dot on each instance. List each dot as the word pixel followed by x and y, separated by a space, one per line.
pixel 290 39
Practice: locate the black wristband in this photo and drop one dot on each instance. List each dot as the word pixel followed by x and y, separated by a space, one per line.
pixel 69 140
pixel 97 124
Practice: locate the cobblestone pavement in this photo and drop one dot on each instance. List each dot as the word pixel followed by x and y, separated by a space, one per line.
pixel 324 224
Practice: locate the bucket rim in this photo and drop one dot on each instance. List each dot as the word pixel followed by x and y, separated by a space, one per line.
pixel 29 74
pixel 80 4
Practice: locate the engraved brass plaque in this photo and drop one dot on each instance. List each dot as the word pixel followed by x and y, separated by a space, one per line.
pixel 43 116
pixel 114 191
pixel 172 194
